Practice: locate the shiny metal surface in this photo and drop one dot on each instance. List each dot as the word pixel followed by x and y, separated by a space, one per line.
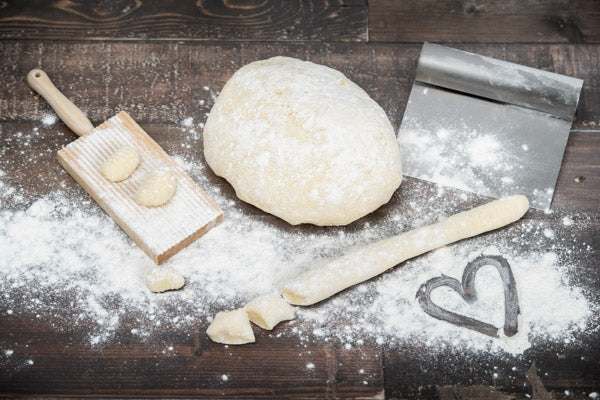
pixel 487 126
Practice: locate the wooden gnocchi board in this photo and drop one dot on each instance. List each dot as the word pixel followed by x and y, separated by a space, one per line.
pixel 159 231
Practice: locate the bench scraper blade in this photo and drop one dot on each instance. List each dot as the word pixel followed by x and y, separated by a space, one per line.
pixel 487 126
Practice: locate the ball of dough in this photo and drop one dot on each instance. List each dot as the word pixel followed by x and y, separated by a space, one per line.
pixel 302 142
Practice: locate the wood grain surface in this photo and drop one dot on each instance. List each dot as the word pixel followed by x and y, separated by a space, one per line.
pixel 161 231
pixel 224 20
pixel 193 368
pixel 163 62
pixel 276 367
pixel 507 21
pixel 556 21
pixel 102 78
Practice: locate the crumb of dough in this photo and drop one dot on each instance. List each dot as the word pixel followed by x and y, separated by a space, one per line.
pixel 231 327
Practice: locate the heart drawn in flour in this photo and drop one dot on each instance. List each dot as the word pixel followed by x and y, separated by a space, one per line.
pixel 466 289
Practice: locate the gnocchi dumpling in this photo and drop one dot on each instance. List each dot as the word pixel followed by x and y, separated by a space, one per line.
pixel 269 310
pixel 231 327
pixel 157 188
pixel 121 164
pixel 161 279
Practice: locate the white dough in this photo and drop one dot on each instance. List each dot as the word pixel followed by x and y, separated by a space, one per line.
pixel 161 279
pixel 157 188
pixel 301 141
pixel 269 310
pixel 231 327
pixel 121 164
pixel 362 263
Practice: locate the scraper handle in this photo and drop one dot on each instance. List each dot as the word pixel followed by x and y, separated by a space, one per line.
pixel 68 112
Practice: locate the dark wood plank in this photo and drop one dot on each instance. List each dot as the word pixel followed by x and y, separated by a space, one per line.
pixel 160 84
pixel 193 367
pixel 511 21
pixel 582 158
pixel 579 177
pixel 226 20
pixel 418 375
pixel 163 83
pixel 65 363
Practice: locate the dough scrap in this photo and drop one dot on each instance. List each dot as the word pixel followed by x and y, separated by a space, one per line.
pixel 161 279
pixel 302 142
pixel 121 164
pixel 269 310
pixel 157 188
pixel 231 327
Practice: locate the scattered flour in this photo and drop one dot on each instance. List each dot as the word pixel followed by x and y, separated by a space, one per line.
pixel 187 122
pixel 467 158
pixel 65 262
pixel 48 120
pixel 483 150
pixel 480 156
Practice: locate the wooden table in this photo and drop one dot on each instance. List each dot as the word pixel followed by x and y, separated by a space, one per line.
pixel 150 58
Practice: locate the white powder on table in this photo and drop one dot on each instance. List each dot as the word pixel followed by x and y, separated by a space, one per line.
pixel 456 163
pixel 48 120
pixel 63 250
pixel 188 122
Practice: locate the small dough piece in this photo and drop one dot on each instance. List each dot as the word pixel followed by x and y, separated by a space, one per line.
pixel 121 164
pixel 303 142
pixel 161 279
pixel 269 310
pixel 231 327
pixel 361 263
pixel 157 188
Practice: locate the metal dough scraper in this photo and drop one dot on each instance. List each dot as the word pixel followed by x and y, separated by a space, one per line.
pixel 487 126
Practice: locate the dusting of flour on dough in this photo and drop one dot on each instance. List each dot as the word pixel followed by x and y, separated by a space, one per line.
pixel 301 141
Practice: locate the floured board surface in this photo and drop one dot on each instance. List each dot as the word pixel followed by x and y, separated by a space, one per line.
pixel 159 231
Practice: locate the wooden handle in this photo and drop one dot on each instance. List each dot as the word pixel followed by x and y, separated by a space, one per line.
pixel 72 116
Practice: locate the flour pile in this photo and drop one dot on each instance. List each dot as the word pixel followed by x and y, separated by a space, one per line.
pixel 66 263
pixel 466 154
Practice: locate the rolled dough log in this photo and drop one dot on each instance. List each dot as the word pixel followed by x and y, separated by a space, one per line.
pixel 302 142
pixel 362 263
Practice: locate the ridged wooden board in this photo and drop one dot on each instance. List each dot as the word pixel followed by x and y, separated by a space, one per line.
pixel 160 231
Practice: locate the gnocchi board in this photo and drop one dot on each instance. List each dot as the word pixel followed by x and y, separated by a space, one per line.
pixel 159 231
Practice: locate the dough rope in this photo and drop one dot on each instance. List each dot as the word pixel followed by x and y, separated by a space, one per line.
pixel 362 263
